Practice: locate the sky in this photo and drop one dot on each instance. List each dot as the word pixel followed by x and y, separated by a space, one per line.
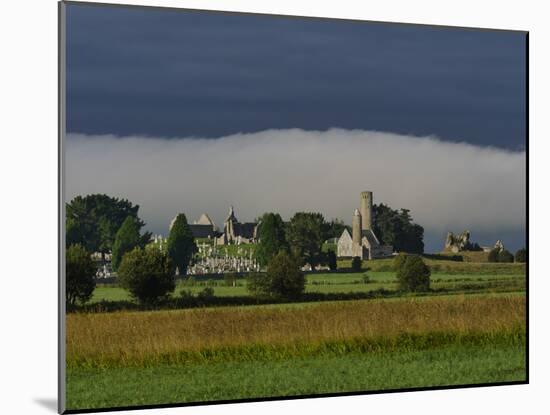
pixel 190 112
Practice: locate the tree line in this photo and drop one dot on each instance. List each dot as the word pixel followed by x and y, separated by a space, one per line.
pixel 99 223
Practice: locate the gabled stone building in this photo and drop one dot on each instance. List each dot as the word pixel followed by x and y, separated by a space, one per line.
pixel 233 230
pixel 204 227
pixel 237 232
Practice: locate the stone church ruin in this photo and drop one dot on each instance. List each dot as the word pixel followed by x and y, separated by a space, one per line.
pixel 362 242
pixel 234 232
pixel 461 243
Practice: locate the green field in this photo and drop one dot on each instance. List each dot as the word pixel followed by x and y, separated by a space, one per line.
pixel 452 365
pixel 133 358
pixel 340 283
pixel 446 266
pixel 469 328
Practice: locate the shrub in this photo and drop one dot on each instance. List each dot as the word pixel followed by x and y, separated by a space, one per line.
pixel 331 259
pixel 505 256
pixel 283 279
pixel 493 255
pixel 356 264
pixel 80 269
pixel 186 295
pixel 521 255
pixel 231 279
pixel 398 261
pixel 413 274
pixel 147 275
pixel 206 294
pixel 257 284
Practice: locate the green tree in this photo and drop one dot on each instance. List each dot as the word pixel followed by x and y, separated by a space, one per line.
pixel 356 264
pixel 521 255
pixel 272 238
pixel 306 235
pixel 126 239
pixel 331 259
pixel 413 274
pixel 80 273
pixel 396 228
pixel 147 274
pixel 335 228
pixel 181 244
pixel 93 220
pixel 493 255
pixel 505 256
pixel 283 279
pixel 287 280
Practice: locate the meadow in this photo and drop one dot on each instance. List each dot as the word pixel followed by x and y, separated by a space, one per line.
pixel 199 354
pixel 469 328
pixel 340 283
pixel 351 372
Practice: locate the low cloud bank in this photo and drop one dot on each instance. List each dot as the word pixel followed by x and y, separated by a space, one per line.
pixel 447 186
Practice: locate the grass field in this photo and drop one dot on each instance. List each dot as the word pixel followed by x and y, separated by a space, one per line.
pixel 446 266
pixel 141 338
pixel 451 365
pixel 470 328
pixel 340 283
pixel 131 358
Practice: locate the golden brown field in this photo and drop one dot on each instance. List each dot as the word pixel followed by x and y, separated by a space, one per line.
pixel 140 337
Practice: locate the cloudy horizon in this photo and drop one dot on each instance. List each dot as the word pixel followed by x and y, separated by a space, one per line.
pixel 194 111
pixel 447 186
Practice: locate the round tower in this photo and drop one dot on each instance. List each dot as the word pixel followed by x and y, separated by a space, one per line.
pixel 366 210
pixel 356 228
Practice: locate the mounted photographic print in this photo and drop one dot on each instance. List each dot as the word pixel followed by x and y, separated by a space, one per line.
pixel 259 207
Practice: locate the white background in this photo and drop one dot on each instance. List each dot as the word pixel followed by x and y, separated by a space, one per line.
pixel 28 189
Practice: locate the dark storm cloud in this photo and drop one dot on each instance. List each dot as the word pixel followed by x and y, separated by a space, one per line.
pixel 159 73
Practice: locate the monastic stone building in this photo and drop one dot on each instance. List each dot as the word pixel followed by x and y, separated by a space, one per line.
pixel 233 230
pixel 362 242
pixel 204 227
pixel 461 242
pixel 236 232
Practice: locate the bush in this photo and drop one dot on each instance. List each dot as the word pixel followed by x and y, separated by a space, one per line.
pixel 231 279
pixel 356 264
pixel 283 279
pixel 331 259
pixel 258 285
pixel 80 269
pixel 206 294
pixel 147 275
pixel 186 295
pixel 521 255
pixel 413 274
pixel 493 255
pixel 505 256
pixel 398 261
